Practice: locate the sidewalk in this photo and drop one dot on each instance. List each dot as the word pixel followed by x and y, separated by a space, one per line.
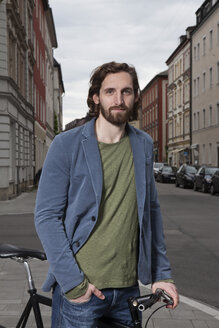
pixel 13 288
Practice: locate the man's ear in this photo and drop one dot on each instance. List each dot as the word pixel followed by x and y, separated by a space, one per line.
pixel 96 99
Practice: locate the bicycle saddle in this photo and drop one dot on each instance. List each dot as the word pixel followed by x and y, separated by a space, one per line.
pixel 9 251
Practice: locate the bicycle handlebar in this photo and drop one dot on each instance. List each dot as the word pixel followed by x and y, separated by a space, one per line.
pixel 142 303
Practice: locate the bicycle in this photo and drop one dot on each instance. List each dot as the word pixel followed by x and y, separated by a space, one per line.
pixel 22 255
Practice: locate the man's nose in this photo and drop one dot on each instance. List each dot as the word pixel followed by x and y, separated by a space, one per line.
pixel 118 98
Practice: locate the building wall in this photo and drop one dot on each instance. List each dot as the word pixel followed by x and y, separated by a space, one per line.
pixel 58 95
pixel 154 107
pixel 26 92
pixel 179 105
pixel 164 119
pixel 39 26
pixel 16 98
pixel 50 43
pixel 205 94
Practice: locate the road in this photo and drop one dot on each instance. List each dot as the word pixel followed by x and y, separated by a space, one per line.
pixel 18 229
pixel 191 223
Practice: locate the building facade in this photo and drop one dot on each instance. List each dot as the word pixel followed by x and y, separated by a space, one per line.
pixel 58 92
pixel 154 114
pixel 205 85
pixel 27 40
pixel 179 110
pixel 39 25
pixel 16 97
pixel 50 45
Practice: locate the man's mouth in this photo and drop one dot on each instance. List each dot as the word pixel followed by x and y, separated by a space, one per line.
pixel 117 108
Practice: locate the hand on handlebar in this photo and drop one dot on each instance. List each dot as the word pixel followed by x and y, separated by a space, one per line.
pixel 168 288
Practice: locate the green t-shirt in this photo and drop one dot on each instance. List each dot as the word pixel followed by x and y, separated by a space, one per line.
pixel 109 257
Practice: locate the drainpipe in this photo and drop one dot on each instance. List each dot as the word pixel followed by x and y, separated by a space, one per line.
pixel 190 105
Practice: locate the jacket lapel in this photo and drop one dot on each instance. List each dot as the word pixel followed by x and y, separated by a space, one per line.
pixel 92 156
pixel 138 149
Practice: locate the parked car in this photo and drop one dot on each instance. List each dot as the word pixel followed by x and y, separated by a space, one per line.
pixel 166 174
pixel 203 177
pixel 157 167
pixel 214 188
pixel 185 176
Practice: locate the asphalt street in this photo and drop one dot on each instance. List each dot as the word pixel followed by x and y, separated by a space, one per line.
pixel 191 223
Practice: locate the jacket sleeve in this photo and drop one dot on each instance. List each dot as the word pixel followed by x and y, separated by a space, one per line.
pixel 50 207
pixel 160 264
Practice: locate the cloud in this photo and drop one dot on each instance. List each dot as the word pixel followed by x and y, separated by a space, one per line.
pixel 91 32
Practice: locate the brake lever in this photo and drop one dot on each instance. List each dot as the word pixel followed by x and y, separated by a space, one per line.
pixel 167 298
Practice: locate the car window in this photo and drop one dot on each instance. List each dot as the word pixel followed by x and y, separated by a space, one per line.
pixel 167 169
pixel 217 173
pixel 158 165
pixel 211 170
pixel 191 169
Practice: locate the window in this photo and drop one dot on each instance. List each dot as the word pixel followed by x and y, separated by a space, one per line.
pixel 36 4
pixel 198 121
pixel 198 51
pixel 203 154
pixel 218 113
pixel 35 99
pixel 203 82
pixel 198 84
pixel 218 72
pixel 204 118
pixel 210 116
pixel 211 39
pixel 210 77
pixel 30 87
pixel 204 46
pixel 195 53
pixel 218 33
pixel 209 153
pixel 194 121
pixel 12 57
pixel 195 88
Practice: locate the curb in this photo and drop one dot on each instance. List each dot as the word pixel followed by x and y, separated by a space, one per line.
pixel 195 304
pixel 200 306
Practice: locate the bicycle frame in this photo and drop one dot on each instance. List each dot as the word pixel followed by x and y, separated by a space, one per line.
pixel 34 300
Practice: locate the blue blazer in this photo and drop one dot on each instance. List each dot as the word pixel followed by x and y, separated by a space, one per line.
pixel 68 200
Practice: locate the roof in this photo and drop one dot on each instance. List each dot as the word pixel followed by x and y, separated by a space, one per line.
pixel 161 74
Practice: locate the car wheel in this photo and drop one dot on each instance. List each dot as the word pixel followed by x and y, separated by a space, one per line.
pixel 212 191
pixel 184 184
pixel 195 186
pixel 204 188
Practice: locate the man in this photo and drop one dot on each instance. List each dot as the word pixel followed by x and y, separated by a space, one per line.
pixel 97 212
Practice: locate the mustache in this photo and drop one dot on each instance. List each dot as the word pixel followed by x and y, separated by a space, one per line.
pixel 121 107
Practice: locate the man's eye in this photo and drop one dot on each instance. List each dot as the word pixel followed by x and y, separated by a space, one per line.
pixel 109 91
pixel 127 91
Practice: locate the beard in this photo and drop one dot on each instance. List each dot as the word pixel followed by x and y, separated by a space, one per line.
pixel 114 117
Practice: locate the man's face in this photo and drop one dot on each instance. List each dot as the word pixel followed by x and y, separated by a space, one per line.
pixel 116 98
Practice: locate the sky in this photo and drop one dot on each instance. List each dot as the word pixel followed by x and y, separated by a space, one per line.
pixel 91 32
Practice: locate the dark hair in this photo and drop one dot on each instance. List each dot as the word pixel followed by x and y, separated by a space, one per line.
pixel 97 77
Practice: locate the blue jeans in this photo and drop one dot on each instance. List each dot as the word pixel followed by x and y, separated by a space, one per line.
pixel 66 314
